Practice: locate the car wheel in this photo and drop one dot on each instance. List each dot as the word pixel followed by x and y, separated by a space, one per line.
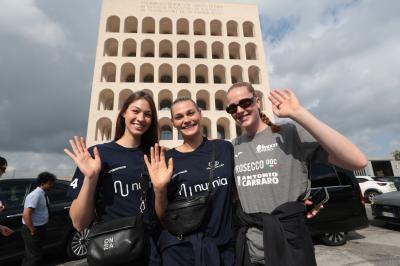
pixel 334 238
pixel 370 195
pixel 77 244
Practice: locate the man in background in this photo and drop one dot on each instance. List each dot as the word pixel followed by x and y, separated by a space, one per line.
pixel 4 230
pixel 35 218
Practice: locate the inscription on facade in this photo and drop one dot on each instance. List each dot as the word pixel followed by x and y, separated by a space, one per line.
pixel 177 7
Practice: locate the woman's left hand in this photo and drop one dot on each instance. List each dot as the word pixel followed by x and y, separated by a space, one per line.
pixel 284 104
pixel 313 212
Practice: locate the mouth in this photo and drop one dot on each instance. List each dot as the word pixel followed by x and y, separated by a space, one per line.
pixel 189 126
pixel 138 126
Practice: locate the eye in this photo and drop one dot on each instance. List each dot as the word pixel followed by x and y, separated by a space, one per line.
pixel 177 117
pixel 135 111
pixel 148 114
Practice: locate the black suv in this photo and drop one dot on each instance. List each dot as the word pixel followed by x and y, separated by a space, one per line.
pixel 345 210
pixel 60 233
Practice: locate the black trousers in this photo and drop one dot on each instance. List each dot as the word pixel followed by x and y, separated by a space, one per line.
pixel 33 245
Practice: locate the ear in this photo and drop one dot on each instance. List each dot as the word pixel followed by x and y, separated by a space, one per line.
pixel 258 102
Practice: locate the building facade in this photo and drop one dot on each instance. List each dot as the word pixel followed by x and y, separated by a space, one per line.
pixel 174 48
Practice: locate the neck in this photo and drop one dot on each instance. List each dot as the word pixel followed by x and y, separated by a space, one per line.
pixel 129 141
pixel 190 144
pixel 256 128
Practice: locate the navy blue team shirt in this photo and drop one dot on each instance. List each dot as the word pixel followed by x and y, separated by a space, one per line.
pixel 118 189
pixel 190 178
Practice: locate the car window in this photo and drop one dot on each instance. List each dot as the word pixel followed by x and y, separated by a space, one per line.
pixel 361 180
pixel 58 193
pixel 13 193
pixel 323 175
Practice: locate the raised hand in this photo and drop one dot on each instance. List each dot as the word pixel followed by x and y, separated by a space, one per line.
pixel 89 167
pixel 160 173
pixel 284 104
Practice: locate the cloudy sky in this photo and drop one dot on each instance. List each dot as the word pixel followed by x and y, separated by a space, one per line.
pixel 342 58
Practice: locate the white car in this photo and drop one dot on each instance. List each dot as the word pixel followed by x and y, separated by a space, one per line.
pixel 371 188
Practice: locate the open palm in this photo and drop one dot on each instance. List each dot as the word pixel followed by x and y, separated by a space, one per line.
pixel 284 104
pixel 89 166
pixel 160 173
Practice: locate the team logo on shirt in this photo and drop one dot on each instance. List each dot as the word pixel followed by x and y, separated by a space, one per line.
pixel 238 154
pixel 216 165
pixel 179 173
pixel 116 169
pixel 264 148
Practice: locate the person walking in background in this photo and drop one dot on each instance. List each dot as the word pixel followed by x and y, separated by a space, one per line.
pixel 4 230
pixel 271 173
pixel 183 173
pixel 107 184
pixel 34 219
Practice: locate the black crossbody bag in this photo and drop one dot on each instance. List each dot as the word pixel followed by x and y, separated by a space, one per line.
pixel 121 240
pixel 184 216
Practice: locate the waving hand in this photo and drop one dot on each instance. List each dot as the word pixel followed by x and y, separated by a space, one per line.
pixel 160 173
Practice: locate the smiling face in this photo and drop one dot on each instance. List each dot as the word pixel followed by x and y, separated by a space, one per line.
pixel 246 117
pixel 138 117
pixel 186 118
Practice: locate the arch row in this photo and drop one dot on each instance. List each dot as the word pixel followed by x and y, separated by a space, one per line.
pixel 180 26
pixel 180 49
pixel 183 73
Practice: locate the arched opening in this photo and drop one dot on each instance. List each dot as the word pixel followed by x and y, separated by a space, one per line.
pixel 183 74
pixel 206 127
pixel 217 50
pixel 254 75
pixel 147 48
pixel 201 74
pixel 183 49
pixel 248 29
pixel 108 73
pixel 236 74
pixel 216 28
pixel 106 100
pixel 251 51
pixel 166 132
pixel 123 95
pixel 147 73
pixel 182 26
pixel 165 100
pixel 232 28
pixel 220 100
pixel 127 73
pixel 200 50
pixel 110 47
pixel 234 51
pixel 165 48
pixel 103 129
pixel 203 100
pixel 199 27
pixel 112 24
pixel 165 26
pixel 165 73
pixel 219 74
pixel 131 25
pixel 184 94
pixel 223 128
pixel 129 48
pixel 148 25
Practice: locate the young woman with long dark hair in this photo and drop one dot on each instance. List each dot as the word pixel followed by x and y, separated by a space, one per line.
pixel 107 182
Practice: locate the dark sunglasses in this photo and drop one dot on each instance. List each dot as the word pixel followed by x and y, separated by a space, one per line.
pixel 243 103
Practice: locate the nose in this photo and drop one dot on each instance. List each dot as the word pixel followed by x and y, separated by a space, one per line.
pixel 140 116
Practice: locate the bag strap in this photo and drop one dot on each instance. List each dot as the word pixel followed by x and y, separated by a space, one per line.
pixel 144 188
pixel 212 168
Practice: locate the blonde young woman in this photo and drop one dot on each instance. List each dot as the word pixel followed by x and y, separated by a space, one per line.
pixel 271 173
pixel 185 175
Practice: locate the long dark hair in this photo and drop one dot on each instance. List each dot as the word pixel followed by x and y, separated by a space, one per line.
pixel 274 127
pixel 150 137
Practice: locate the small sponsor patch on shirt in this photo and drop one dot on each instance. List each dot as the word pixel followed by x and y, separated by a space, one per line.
pixel 116 169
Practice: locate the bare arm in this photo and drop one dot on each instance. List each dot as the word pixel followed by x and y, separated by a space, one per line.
pixel 342 152
pixel 82 208
pixel 160 175
pixel 27 216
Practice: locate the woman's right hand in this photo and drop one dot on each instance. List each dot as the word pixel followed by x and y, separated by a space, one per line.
pixel 160 173
pixel 87 165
